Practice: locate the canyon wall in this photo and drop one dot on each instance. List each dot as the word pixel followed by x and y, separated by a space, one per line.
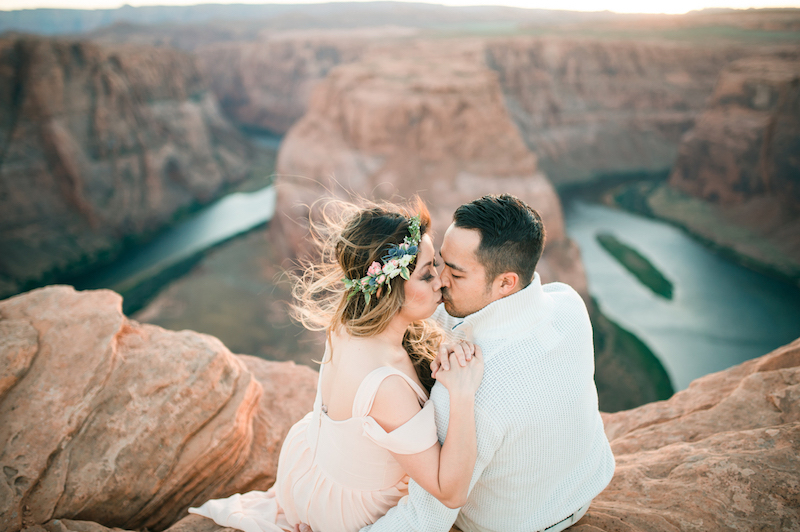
pixel 736 180
pixel 108 423
pixel 99 144
pixel 589 107
pixel 417 119
pixel 266 84
pixel 746 141
pixel 586 106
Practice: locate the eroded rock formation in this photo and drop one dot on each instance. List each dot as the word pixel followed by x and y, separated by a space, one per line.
pixel 108 423
pixel 420 120
pixel 592 106
pixel 106 420
pixel 98 144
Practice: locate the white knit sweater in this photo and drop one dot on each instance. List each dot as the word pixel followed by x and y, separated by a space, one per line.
pixel 542 452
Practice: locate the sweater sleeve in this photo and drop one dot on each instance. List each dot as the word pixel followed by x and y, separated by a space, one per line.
pixel 421 511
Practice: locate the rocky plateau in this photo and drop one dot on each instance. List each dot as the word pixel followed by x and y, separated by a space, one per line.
pixel 107 424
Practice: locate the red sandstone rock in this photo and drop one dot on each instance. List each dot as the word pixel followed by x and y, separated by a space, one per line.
pixel 720 455
pixel 99 144
pixel 418 120
pixel 128 425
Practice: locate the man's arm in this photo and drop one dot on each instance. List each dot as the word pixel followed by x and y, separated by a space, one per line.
pixel 421 511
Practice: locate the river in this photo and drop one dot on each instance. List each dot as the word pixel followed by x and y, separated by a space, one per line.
pixel 221 220
pixel 721 313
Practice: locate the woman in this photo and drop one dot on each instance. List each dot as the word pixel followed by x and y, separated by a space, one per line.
pixel 348 461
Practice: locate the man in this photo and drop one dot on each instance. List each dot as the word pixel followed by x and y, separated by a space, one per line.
pixel 542 452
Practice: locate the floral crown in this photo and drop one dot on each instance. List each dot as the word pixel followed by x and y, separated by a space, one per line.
pixel 395 263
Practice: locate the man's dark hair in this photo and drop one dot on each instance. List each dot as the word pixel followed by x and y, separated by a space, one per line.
pixel 512 234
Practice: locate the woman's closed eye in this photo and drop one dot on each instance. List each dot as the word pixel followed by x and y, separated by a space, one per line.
pixel 429 275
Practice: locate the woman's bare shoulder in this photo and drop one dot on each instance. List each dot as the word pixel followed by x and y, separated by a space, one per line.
pixel 395 403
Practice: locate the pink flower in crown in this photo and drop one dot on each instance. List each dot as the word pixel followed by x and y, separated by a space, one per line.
pixel 364 281
pixel 374 268
pixel 381 278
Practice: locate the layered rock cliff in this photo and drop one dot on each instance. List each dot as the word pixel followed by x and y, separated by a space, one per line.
pixel 99 144
pixel 736 180
pixel 417 119
pixel 108 423
pixel 106 420
pixel 746 141
pixel 266 84
pixel 589 107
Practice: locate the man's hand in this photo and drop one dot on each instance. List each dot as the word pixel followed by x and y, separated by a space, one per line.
pixel 463 350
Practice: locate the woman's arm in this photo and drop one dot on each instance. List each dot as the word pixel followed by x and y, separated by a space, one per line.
pixel 443 471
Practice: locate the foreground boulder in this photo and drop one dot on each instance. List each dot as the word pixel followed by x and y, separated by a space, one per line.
pixel 127 425
pixel 720 455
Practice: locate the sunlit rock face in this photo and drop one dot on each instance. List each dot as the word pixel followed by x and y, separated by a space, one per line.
pixel 100 144
pixel 103 419
pixel 418 120
pixel 589 107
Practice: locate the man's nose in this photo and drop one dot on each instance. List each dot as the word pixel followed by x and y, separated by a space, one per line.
pixel 445 277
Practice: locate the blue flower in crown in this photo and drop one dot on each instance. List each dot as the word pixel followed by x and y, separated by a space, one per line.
pixel 395 263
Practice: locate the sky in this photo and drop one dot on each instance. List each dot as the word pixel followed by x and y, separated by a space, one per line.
pixel 621 6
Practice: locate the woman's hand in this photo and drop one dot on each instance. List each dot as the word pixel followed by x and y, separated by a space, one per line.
pixel 464 350
pixel 461 380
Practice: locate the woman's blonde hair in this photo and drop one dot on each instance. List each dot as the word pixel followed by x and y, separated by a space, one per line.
pixel 350 239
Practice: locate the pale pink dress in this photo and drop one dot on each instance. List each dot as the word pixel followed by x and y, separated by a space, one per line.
pixel 333 475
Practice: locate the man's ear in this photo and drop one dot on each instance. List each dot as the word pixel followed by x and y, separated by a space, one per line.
pixel 507 283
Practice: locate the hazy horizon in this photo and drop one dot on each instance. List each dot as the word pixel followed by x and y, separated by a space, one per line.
pixel 619 6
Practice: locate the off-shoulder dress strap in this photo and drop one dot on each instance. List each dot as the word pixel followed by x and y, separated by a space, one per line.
pixel 365 395
pixel 415 435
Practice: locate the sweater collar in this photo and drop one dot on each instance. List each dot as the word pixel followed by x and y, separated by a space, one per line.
pixel 507 315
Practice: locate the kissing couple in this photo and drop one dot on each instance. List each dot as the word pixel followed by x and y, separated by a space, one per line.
pixel 456 390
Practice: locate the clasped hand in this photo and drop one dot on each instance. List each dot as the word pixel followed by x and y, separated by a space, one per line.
pixel 459 366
